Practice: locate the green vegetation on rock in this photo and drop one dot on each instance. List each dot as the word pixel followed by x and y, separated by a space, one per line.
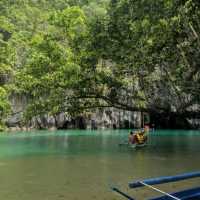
pixel 72 56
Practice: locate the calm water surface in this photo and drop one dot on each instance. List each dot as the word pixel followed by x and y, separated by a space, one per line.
pixel 82 165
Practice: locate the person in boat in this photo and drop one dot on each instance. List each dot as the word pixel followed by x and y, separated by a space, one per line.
pixel 140 137
pixel 131 138
pixel 146 129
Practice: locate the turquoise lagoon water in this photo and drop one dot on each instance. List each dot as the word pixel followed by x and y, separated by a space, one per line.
pixel 83 165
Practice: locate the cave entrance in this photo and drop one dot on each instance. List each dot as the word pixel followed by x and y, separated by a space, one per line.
pixel 81 123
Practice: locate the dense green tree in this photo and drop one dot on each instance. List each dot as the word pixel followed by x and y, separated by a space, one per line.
pixel 71 56
pixel 154 47
pixel 52 68
pixel 5 68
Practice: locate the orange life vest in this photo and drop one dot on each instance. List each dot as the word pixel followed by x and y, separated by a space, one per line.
pixel 140 138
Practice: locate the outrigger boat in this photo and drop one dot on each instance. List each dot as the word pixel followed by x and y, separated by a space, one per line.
pixel 188 194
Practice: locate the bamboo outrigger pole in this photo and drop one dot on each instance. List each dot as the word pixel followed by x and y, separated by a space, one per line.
pixel 164 179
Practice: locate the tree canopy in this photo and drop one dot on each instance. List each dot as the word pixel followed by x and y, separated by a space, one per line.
pixel 71 56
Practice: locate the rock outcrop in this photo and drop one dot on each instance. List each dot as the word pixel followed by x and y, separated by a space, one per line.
pixel 96 119
pixel 100 119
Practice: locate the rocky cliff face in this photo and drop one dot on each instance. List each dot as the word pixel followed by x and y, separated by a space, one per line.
pixel 99 118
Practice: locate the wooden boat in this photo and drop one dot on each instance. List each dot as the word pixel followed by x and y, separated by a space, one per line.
pixel 137 145
pixel 134 146
pixel 188 194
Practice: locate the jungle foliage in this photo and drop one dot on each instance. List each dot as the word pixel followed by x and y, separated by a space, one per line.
pixel 76 55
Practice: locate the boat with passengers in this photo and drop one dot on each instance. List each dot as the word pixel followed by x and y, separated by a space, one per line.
pixel 188 194
pixel 136 139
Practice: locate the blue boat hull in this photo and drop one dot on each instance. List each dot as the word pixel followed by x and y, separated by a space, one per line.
pixel 190 194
